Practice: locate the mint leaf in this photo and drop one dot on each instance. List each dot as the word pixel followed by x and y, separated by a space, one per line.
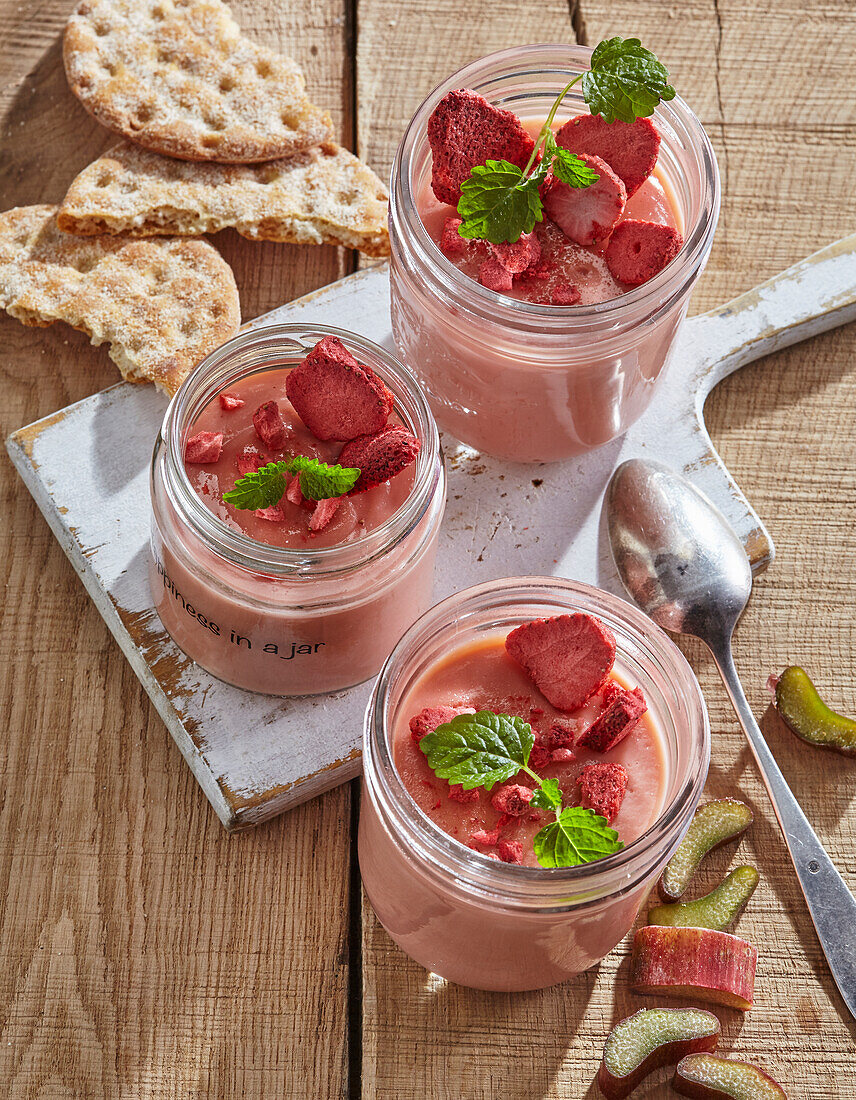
pixel 625 81
pixel 478 750
pixel 548 796
pixel 573 171
pixel 261 489
pixel 578 836
pixel 498 203
pixel 318 481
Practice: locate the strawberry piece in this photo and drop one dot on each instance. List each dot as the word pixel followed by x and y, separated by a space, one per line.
pixel 630 149
pixel 560 735
pixel 603 787
pixel 611 691
pixel 566 294
pixel 230 401
pixel 451 241
pixel 250 460
pixel 494 276
pixel 519 255
pixel 428 719
pixel 465 130
pixel 586 214
pixel 512 799
pixel 274 514
pixel 458 794
pixel 270 427
pixel 640 250
pixel 510 851
pixel 489 837
pixel 568 657
pixel 538 757
pixel 380 456
pixel 614 723
pixel 562 756
pixel 323 513
pixel 203 447
pixel 294 493
pixel 335 396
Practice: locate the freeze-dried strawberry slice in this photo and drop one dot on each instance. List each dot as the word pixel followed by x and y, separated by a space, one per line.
pixel 380 456
pixel 323 513
pixel 250 460
pixel 428 719
pixel 494 276
pixel 640 250
pixel 335 396
pixel 586 214
pixel 203 447
pixel 270 427
pixel 630 149
pixel 603 787
pixel 465 130
pixel 614 723
pixel 568 657
pixel 230 401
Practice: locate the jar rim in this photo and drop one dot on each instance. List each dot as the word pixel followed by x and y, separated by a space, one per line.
pixel 512 884
pixel 652 298
pixel 251 352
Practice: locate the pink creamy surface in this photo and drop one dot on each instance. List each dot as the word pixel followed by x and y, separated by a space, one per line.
pixel 575 264
pixel 356 515
pixel 482 676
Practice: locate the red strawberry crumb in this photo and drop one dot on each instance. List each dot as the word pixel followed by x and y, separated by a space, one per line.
pixel 294 493
pixel 586 214
pixel 451 241
pixel 568 657
pixel 428 719
pixel 538 757
pixel 519 255
pixel 560 735
pixel 566 294
pixel 490 837
pixel 437 804
pixel 614 723
pixel 380 456
pixel 562 755
pixel 323 513
pixel 630 149
pixel 510 851
pixel 610 691
pixel 603 787
pixel 458 794
pixel 536 712
pixel 230 401
pixel 250 460
pixel 494 276
pixel 465 130
pixel 512 799
pixel 203 447
pixel 274 514
pixel 491 855
pixel 639 250
pixel 270 427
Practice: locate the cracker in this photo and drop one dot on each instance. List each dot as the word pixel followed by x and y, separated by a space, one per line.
pixel 325 195
pixel 162 305
pixel 178 77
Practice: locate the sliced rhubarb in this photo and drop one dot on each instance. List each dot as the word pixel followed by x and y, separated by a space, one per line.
pixel 804 712
pixel 706 1077
pixel 714 824
pixel 694 962
pixel 717 910
pixel 649 1039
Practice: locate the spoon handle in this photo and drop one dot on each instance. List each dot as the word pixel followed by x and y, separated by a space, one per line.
pixel 830 903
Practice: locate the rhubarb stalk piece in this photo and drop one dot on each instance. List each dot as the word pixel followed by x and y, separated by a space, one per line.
pixel 804 712
pixel 716 910
pixel 650 1038
pixel 694 962
pixel 714 824
pixel 707 1077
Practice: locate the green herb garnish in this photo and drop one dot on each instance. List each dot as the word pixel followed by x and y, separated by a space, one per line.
pixel 265 487
pixel 500 202
pixel 483 749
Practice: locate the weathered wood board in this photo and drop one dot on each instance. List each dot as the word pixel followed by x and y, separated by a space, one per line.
pixel 256 755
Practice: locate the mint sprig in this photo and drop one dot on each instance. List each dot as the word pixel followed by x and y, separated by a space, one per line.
pixel 500 202
pixel 266 486
pixel 483 749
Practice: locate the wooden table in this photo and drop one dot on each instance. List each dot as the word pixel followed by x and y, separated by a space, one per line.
pixel 145 954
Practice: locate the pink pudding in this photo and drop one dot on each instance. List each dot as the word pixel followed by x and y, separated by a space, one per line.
pixel 563 356
pixel 308 592
pixel 456 876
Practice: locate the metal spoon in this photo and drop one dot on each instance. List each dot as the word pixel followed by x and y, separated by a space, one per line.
pixel 682 563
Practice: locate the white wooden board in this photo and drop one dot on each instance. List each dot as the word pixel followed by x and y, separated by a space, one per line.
pixel 256 755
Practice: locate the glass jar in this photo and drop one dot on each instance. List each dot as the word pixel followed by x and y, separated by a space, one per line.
pixel 281 620
pixel 531 382
pixel 492 925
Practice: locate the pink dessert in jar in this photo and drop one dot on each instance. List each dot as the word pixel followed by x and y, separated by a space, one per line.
pixel 540 344
pixel 534 751
pixel 297 492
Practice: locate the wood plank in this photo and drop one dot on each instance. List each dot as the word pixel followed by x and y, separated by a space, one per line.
pixel 145 952
pixel 786 134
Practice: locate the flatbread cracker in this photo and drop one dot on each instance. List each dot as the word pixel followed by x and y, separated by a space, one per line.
pixel 325 195
pixel 162 305
pixel 178 77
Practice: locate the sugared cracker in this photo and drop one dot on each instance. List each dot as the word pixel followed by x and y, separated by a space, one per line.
pixel 178 77
pixel 162 305
pixel 324 195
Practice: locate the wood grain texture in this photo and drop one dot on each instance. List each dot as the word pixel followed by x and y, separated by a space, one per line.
pixel 784 138
pixel 145 953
